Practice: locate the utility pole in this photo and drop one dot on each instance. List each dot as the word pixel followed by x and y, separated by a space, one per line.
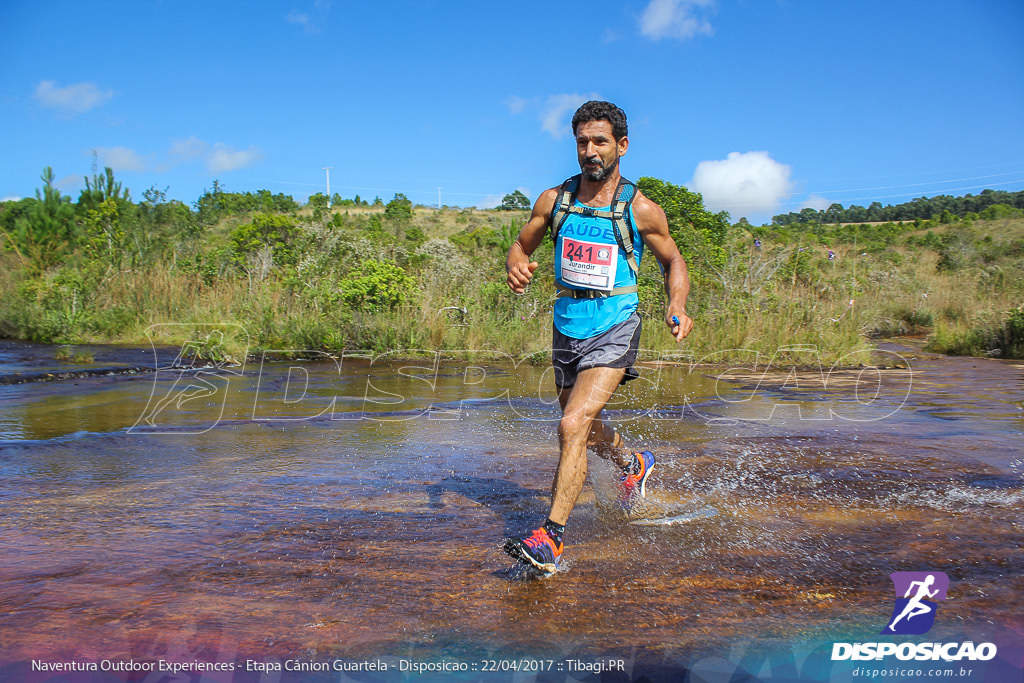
pixel 328 169
pixel 439 199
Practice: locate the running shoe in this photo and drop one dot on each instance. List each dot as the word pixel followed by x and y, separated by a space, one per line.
pixel 540 551
pixel 633 483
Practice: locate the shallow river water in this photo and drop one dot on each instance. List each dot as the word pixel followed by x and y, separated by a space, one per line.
pixel 333 514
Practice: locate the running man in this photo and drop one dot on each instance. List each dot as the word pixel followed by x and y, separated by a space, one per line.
pixel 915 606
pixel 601 224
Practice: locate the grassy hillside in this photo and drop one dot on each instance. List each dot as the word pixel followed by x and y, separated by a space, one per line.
pixel 397 277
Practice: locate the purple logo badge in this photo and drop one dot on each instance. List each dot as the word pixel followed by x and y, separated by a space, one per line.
pixel 917 594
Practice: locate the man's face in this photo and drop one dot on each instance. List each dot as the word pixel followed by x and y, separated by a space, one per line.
pixel 597 149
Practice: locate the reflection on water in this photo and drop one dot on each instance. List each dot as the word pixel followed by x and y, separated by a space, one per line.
pixel 355 509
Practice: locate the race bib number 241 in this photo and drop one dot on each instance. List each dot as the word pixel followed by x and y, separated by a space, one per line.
pixel 590 265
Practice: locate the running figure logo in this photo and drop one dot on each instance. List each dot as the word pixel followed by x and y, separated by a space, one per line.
pixel 916 593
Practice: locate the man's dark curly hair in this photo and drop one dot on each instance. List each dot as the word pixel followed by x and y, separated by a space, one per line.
pixel 595 110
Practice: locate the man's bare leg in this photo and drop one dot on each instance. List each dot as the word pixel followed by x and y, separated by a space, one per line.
pixel 604 439
pixel 580 422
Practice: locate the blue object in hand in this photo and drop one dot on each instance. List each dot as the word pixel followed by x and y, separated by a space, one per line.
pixel 675 320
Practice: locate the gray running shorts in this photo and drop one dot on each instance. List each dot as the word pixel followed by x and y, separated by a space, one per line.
pixel 614 348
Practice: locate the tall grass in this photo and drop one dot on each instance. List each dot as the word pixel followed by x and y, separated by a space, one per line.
pixel 443 288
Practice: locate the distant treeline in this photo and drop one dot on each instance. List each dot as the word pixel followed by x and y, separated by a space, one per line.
pixel 983 205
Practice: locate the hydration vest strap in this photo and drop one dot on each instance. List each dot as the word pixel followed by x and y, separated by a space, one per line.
pixel 596 293
pixel 620 207
pixel 564 205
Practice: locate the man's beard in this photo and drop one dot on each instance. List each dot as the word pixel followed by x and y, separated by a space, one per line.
pixel 602 172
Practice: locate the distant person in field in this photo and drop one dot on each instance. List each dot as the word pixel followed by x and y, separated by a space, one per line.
pixel 601 224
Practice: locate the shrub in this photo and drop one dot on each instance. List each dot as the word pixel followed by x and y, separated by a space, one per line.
pixel 1013 333
pixel 51 309
pixel 274 231
pixel 377 286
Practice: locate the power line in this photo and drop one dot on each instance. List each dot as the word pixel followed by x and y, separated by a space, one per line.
pixel 383 189
pixel 947 190
pixel 893 187
pixel 936 188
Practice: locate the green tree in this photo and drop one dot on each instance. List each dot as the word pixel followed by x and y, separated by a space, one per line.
pixel 834 214
pixel 47 232
pixel 115 229
pixel 12 214
pixel 399 210
pixel 517 201
pixel 318 202
pixel 808 215
pixel 99 189
pixel 104 234
pixel 699 233
pixel 856 214
pixel 210 206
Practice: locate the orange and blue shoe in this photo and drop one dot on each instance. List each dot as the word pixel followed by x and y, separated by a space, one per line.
pixel 633 483
pixel 539 551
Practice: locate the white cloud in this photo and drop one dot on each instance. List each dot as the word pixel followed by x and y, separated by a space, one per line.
pixel 299 18
pixel 816 202
pixel 311 22
pixel 11 198
pixel 515 104
pixel 121 158
pixel 558 110
pixel 189 148
pixel 218 158
pixel 680 19
pixel 490 201
pixel 71 99
pixel 70 183
pixel 742 184
pixel 224 158
pixel 493 200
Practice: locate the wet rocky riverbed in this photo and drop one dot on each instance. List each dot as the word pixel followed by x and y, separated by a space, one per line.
pixel 338 510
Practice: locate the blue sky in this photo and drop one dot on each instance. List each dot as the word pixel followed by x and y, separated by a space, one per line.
pixel 764 106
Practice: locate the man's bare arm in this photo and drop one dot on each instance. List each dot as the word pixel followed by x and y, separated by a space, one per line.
pixel 518 265
pixel 653 227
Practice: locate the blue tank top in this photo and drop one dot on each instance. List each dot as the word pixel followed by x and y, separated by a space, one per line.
pixel 587 243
